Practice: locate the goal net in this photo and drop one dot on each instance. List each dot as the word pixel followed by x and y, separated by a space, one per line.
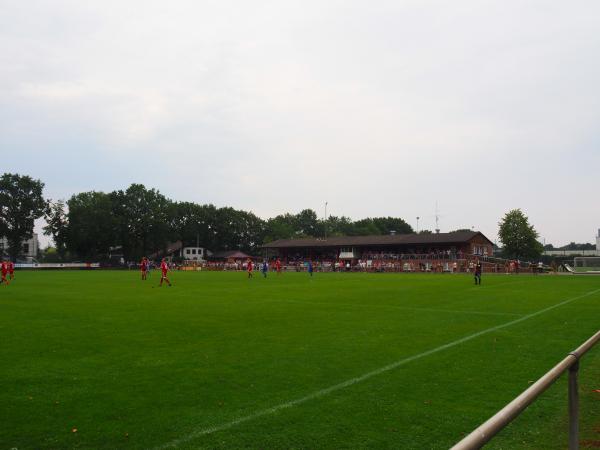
pixel 587 264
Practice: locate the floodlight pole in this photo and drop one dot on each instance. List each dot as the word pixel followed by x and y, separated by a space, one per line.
pixel 417 224
pixel 325 223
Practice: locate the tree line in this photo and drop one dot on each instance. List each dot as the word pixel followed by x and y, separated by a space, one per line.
pixel 141 221
pixel 572 246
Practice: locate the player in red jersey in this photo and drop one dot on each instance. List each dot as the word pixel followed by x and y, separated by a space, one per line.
pixel 249 267
pixel 144 268
pixel 278 266
pixel 11 270
pixel 164 269
pixel 4 271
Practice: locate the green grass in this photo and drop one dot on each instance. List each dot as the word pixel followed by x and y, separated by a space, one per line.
pixel 133 366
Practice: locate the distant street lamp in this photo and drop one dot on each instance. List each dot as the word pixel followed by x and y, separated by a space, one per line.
pixel 325 220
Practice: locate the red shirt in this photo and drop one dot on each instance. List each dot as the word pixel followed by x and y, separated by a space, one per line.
pixel 164 267
pixel 11 267
pixel 144 265
pixel 4 268
pixel 250 266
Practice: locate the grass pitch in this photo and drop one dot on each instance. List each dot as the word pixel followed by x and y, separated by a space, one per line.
pixel 103 360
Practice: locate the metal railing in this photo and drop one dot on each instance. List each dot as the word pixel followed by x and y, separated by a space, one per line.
pixel 502 418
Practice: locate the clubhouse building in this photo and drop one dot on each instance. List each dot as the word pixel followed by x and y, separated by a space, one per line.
pixel 397 249
pixel 29 249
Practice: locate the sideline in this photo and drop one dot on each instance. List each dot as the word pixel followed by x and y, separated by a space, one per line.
pixel 336 387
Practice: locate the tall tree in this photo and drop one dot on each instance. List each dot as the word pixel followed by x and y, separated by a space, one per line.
pixel 91 225
pixel 280 227
pixel 339 226
pixel 57 226
pixel 307 223
pixel 365 227
pixel 21 203
pixel 518 237
pixel 287 226
pixel 192 223
pixel 143 220
pixel 388 224
pixel 238 230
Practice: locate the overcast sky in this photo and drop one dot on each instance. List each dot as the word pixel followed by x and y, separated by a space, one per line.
pixel 377 107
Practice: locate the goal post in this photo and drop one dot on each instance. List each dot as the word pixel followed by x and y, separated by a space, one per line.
pixel 587 264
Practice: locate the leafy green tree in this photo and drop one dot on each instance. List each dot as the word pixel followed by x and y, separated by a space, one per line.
pixel 575 246
pixel 288 226
pixel 380 225
pixel 386 225
pixel 307 223
pixel 21 203
pixel 142 217
pixel 192 223
pixel 280 227
pixel 91 225
pixel 365 227
pixel 57 226
pixel 339 226
pixel 238 230
pixel 518 237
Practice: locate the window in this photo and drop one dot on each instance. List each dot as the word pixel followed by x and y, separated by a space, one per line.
pixel 26 248
pixel 187 251
pixel 193 251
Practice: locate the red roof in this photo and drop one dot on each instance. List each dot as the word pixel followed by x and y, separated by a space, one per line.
pixel 231 254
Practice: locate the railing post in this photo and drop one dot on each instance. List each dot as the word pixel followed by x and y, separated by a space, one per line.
pixel 574 406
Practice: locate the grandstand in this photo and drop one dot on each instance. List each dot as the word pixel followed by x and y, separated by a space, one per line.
pixel 442 252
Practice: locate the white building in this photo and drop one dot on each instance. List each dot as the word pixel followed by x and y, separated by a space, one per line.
pixel 29 250
pixel 193 253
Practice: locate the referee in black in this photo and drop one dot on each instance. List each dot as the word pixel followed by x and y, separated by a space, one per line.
pixel 478 272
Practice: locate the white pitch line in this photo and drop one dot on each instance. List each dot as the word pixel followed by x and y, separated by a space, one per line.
pixel 404 308
pixel 336 387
